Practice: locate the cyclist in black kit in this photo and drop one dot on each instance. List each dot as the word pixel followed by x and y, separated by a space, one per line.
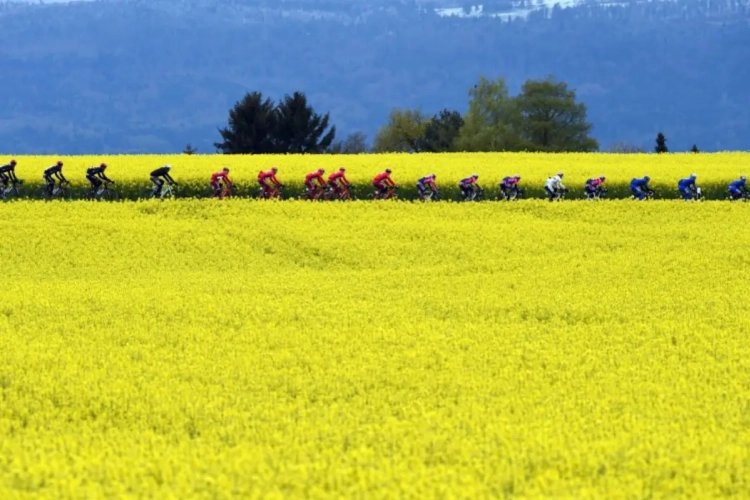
pixel 95 175
pixel 55 170
pixel 158 177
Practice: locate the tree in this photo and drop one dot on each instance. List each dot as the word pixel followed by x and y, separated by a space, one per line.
pixel 299 129
pixel 404 132
pixel 552 120
pixel 189 149
pixel 661 144
pixel 492 121
pixel 355 143
pixel 441 131
pixel 625 148
pixel 694 149
pixel 252 127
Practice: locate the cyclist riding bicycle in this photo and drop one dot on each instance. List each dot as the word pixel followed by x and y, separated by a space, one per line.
pixel 554 186
pixel 8 174
pixel 509 186
pixel 426 186
pixel 687 187
pixel 56 171
pixel 469 186
pixel 338 181
pixel 268 176
pixel 95 175
pixel 595 187
pixel 640 187
pixel 314 182
pixel 217 178
pixel 382 182
pixel 158 177
pixel 737 188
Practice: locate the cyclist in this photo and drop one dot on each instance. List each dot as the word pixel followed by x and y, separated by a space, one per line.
pixel 217 178
pixel 595 187
pixel 688 188
pixel 95 175
pixel 737 188
pixel 427 183
pixel 265 177
pixel 314 182
pixel 640 187
pixel 383 182
pixel 554 186
pixel 509 186
pixel 338 182
pixel 469 186
pixel 55 170
pixel 158 177
pixel 7 175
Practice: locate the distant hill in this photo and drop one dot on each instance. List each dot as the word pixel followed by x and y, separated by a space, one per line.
pixel 125 76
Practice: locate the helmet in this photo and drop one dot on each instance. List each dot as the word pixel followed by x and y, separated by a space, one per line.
pixel 743 178
pixel 168 167
pixel 12 163
pixel 59 163
pixel 387 170
pixel 517 176
pixel 274 170
pixel 434 176
pixel 103 165
pixel 342 169
pixel 476 176
pixel 321 171
pixel 559 174
pixel 694 175
pixel 226 169
pixel 647 178
pixel 602 178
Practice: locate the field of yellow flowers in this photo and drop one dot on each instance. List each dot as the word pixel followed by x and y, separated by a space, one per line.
pixel 240 348
pixel 714 171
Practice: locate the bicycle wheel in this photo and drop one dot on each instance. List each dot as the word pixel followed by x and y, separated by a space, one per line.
pixel 42 194
pixel 110 195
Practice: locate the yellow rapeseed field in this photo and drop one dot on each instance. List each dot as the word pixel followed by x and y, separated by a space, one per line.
pixel 715 171
pixel 241 348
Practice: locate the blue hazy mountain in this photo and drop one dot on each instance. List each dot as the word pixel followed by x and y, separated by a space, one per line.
pixel 152 75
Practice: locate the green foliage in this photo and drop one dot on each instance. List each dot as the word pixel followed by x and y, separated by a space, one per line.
pixel 299 129
pixel 552 120
pixel 189 149
pixel 355 143
pixel 404 132
pixel 441 131
pixel 695 149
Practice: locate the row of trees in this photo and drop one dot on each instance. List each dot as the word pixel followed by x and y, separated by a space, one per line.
pixel 543 117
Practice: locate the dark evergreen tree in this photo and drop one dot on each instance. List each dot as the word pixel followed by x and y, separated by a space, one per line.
pixel 300 129
pixel 695 149
pixel 252 126
pixel 661 144
pixel 189 149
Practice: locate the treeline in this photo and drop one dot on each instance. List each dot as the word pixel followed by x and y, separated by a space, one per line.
pixel 544 117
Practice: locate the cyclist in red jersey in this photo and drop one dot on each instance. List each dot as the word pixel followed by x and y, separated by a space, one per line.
pixel 311 184
pixel 383 181
pixel 338 181
pixel 268 176
pixel 219 177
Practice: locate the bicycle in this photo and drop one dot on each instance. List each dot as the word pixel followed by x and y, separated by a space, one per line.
pixel 104 193
pixel 475 194
pixel 225 191
pixel 513 194
pixel 744 196
pixel 12 191
pixel 558 195
pixel 317 193
pixel 274 193
pixel 390 193
pixel 168 190
pixel 431 195
pixel 598 194
pixel 343 195
pixel 60 191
